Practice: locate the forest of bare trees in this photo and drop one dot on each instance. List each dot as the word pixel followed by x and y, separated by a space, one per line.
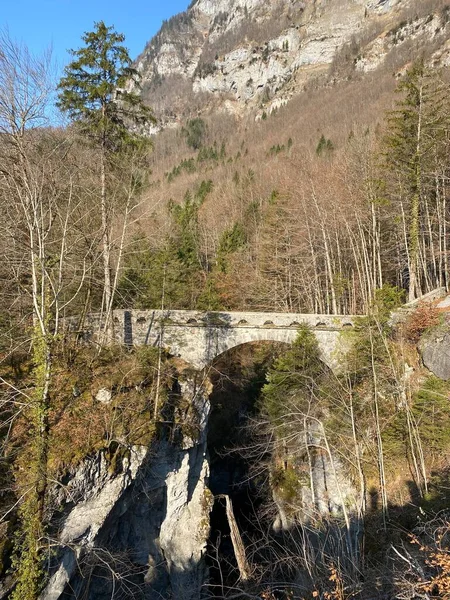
pixel 334 204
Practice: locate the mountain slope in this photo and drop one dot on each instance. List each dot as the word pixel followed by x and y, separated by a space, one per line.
pixel 250 54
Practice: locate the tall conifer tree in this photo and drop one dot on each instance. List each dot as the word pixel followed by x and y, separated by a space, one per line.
pixel 94 93
pixel 412 147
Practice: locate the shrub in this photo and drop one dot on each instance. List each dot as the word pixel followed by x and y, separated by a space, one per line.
pixel 195 132
pixel 325 146
pixel 420 320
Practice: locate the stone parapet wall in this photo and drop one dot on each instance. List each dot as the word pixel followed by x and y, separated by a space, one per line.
pixel 199 337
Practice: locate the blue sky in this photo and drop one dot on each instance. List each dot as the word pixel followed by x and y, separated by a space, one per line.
pixel 61 23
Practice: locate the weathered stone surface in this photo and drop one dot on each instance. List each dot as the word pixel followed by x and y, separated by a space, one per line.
pixel 258 55
pixel 104 396
pixel 375 52
pixel 95 492
pixel 148 518
pixel 435 350
pixel 199 337
pixel 329 489
pixel 302 37
pixel 185 528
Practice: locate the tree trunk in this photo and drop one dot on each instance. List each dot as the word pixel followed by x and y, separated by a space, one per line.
pixel 106 252
pixel 236 539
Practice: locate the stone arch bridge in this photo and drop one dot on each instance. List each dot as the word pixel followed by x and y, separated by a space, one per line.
pixel 199 337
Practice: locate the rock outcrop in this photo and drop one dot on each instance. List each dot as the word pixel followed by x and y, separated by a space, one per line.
pixel 250 54
pixel 138 519
pixel 435 350
pixel 248 50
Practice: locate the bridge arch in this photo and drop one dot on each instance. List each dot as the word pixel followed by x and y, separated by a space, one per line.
pixel 199 337
pixel 247 345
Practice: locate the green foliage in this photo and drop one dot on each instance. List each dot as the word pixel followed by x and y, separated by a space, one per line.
pixel 413 148
pixel 372 333
pixel 274 196
pixel 274 150
pixel 372 356
pixel 208 153
pixel 203 190
pixel 402 150
pixel 387 299
pixel 195 132
pixel 92 89
pixel 147 356
pixel 185 217
pixel 209 298
pixel 286 483
pixel 174 267
pixel 325 146
pixel 431 412
pixel 294 378
pixel 28 560
pixel 147 272
pixel 230 241
pixel 429 417
pixel 187 165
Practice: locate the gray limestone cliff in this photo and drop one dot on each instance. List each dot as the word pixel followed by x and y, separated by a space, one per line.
pixel 139 522
pixel 250 54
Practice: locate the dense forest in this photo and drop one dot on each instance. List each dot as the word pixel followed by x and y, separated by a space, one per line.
pixel 334 204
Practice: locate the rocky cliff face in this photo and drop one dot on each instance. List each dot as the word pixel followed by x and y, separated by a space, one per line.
pixel 251 53
pixel 138 521
pixel 135 522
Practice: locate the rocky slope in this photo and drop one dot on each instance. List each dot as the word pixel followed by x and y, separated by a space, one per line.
pixel 142 518
pixel 253 54
pixel 134 522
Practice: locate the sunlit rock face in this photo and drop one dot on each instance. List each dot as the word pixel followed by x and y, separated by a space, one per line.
pixel 254 53
pixel 435 351
pixel 140 521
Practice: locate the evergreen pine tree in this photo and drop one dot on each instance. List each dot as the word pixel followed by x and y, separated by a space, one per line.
pixel 412 146
pixel 93 92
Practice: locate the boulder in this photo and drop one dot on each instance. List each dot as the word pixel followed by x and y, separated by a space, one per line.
pixel 435 351
pixel 104 396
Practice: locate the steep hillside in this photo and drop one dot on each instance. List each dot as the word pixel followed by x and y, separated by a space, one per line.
pixel 302 165
pixel 250 54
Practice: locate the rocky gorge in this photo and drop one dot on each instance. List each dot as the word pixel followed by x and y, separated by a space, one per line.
pixel 137 521
pixel 224 364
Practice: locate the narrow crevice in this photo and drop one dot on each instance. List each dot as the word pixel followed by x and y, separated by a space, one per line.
pixel 239 376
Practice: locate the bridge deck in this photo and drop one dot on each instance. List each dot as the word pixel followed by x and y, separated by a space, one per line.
pixel 199 337
pixel 233 319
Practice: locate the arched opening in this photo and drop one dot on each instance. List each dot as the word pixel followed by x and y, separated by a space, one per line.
pixel 238 376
